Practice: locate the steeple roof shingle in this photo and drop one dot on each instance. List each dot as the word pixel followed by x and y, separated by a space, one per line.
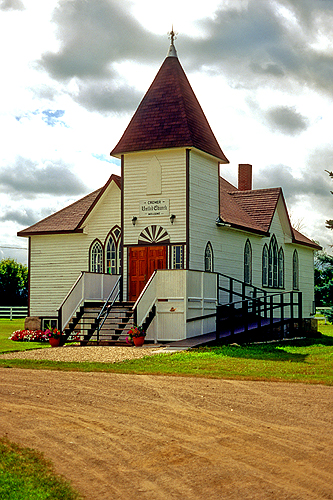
pixel 169 116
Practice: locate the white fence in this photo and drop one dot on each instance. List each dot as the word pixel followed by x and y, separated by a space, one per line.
pixel 13 312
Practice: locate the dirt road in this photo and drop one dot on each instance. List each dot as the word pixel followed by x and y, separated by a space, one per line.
pixel 146 437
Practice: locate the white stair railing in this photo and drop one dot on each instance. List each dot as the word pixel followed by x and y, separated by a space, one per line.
pixel 88 286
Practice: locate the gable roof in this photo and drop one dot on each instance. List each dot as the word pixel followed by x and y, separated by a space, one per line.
pixel 260 204
pixel 300 239
pixel 70 219
pixel 169 116
pixel 254 210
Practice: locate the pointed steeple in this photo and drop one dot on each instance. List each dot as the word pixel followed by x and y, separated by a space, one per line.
pixel 172 49
pixel 169 115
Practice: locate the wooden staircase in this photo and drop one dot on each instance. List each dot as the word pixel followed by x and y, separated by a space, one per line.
pixel 85 324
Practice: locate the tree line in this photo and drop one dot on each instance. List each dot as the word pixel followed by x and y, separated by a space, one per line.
pixel 13 283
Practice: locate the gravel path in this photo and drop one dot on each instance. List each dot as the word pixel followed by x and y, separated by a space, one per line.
pixel 72 353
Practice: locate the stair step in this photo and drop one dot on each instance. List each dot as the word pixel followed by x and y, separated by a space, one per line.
pixel 115 326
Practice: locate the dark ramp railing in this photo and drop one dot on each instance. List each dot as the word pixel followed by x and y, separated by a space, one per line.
pixel 259 314
pixel 231 289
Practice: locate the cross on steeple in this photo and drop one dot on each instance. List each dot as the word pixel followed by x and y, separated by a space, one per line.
pixel 172 35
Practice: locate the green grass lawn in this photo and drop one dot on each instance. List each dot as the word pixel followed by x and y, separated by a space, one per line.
pixel 7 327
pixel 26 475
pixel 304 360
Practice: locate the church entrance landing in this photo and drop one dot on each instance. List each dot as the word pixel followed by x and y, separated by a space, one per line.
pixel 142 263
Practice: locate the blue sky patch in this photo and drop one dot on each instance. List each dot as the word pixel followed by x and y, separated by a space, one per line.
pixel 52 117
pixel 108 159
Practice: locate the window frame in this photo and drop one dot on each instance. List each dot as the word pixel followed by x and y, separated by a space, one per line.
pixel 281 268
pixel 264 266
pixel 92 257
pixel 177 256
pixel 248 262
pixel 273 263
pixel 209 258
pixel 295 270
pixel 113 238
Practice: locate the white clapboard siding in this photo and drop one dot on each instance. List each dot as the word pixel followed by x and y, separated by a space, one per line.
pixel 57 260
pixel 306 279
pixel 204 207
pixel 136 185
pixel 105 215
pixel 173 169
pixel 306 267
pixel 228 244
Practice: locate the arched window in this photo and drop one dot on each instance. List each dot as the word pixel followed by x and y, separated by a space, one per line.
pixel 265 266
pixel 295 271
pixel 248 262
pixel 112 255
pixel 209 258
pixel 273 263
pixel 281 268
pixel 96 257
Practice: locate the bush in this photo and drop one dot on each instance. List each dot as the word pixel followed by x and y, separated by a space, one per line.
pixel 329 315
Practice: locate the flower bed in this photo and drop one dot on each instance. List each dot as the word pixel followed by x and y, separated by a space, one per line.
pixel 29 336
pixel 40 335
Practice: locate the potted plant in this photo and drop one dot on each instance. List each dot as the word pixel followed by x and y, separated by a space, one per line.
pixel 136 335
pixel 54 336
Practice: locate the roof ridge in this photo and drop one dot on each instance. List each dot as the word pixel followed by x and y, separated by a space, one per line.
pixel 260 190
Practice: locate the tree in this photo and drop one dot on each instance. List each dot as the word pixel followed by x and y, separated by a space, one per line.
pixel 323 279
pixel 329 223
pixel 13 283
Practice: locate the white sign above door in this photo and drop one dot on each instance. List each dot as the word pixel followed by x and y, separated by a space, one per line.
pixel 154 207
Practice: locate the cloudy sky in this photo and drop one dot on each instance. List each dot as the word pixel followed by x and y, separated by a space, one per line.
pixel 74 71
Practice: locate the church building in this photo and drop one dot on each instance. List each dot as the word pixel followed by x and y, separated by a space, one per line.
pixel 169 230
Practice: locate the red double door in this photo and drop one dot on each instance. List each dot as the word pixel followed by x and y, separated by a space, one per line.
pixel 142 263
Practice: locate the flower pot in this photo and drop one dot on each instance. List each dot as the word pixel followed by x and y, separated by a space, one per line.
pixel 54 342
pixel 138 341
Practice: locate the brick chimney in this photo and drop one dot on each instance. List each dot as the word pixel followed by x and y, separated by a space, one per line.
pixel 244 176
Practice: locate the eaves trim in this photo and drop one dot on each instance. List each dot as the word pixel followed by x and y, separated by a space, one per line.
pixel 239 227
pixel 37 233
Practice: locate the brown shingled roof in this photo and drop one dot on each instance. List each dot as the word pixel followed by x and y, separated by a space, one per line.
pixel 254 210
pixel 233 213
pixel 303 240
pixel 69 219
pixel 169 116
pixel 260 204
